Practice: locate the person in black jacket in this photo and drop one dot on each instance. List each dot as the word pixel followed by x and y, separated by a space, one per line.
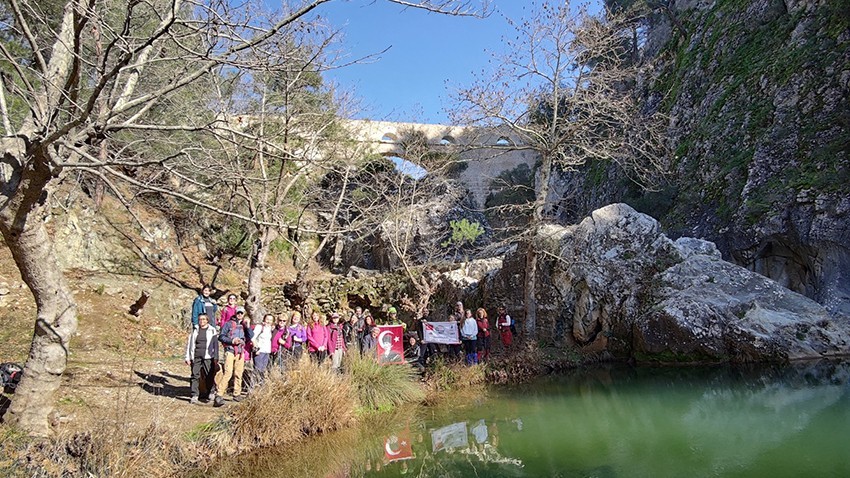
pixel 202 356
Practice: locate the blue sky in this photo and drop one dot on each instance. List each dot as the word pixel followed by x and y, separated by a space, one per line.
pixel 429 55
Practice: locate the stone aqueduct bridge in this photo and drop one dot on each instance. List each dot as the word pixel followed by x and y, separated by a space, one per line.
pixel 483 149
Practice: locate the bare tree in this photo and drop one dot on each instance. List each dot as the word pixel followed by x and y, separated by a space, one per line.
pixel 565 89
pixel 77 89
pixel 400 202
pixel 287 139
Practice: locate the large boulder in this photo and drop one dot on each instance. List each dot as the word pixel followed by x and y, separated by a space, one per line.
pixel 615 283
pixel 756 92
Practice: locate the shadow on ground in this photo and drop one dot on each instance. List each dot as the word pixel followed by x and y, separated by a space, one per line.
pixel 160 384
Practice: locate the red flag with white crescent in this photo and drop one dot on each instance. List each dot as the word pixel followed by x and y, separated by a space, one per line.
pixel 397 447
pixel 390 346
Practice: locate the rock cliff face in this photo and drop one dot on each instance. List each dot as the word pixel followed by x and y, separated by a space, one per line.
pixel 617 285
pixel 758 95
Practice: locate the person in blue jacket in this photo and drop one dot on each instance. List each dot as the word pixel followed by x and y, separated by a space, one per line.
pixel 204 304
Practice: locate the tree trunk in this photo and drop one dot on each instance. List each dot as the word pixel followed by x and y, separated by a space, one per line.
pixel 259 255
pixel 425 289
pixel 22 225
pixel 530 293
pixel 530 289
pixel 302 288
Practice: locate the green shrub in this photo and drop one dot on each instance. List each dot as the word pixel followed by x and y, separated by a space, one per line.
pixel 281 248
pixel 463 232
pixel 381 387
pixel 445 376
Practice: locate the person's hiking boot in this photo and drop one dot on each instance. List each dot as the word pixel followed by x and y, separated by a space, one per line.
pixel 219 401
pixel 238 398
pixel 193 400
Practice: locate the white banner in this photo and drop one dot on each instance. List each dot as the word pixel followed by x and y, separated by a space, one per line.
pixel 452 436
pixel 440 333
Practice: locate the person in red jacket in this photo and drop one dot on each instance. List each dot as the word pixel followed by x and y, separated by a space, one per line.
pixel 336 342
pixel 317 337
pixel 483 334
pixel 503 323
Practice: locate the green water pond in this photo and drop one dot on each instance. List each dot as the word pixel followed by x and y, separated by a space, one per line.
pixel 614 421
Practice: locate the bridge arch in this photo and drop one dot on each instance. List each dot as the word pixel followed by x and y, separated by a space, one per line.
pixel 404 165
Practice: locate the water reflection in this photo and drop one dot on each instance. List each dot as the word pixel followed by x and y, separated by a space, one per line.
pixel 447 438
pixel 398 447
pixel 611 421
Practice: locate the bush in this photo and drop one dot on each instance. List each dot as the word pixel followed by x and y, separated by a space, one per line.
pixel 381 387
pixel 446 376
pixel 307 400
pixel 521 365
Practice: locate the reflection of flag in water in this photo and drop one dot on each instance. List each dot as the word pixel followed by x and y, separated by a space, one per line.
pixel 390 347
pixel 397 447
pixel 452 436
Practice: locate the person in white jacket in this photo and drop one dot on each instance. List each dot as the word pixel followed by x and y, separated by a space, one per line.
pixel 469 336
pixel 202 356
pixel 263 343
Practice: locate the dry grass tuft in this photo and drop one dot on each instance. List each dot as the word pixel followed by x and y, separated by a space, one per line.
pixel 383 387
pixel 108 451
pixel 307 400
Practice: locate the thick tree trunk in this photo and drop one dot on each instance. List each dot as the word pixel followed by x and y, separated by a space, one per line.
pixel 259 255
pixel 22 225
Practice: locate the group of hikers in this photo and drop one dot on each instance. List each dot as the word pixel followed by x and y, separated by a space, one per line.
pixel 279 340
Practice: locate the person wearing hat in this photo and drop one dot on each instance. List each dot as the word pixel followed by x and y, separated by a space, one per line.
pixel 232 336
pixel 393 318
pixel 336 342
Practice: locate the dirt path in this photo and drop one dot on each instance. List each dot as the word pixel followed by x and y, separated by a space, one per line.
pixel 131 391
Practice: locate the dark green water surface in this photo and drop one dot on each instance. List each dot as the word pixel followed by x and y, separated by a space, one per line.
pixel 606 422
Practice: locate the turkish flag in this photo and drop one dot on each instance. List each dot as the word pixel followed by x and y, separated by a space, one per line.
pixel 390 346
pixel 397 447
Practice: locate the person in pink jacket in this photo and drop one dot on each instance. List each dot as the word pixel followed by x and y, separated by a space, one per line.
pixel 317 337
pixel 279 338
pixel 228 311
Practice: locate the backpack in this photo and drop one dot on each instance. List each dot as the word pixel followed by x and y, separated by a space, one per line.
pixel 10 375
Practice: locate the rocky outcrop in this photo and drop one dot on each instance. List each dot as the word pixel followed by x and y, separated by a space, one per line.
pixel 616 284
pixel 111 240
pixel 757 95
